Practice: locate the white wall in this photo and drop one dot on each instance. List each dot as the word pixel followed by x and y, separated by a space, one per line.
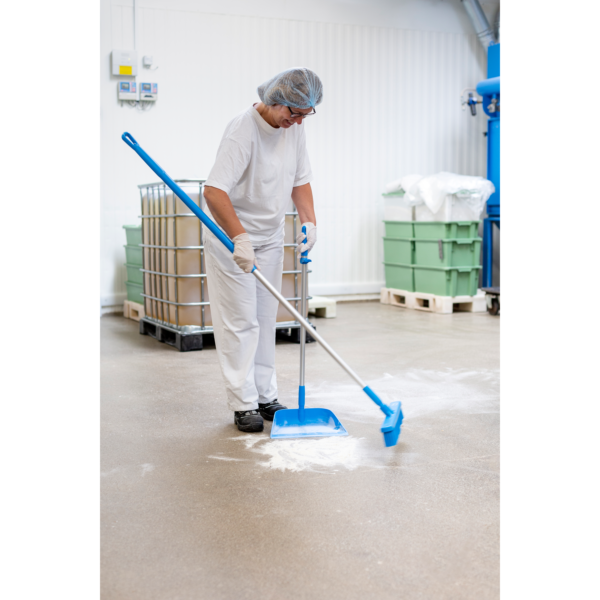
pixel 392 72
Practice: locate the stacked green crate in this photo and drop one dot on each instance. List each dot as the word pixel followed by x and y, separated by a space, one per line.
pixel 133 264
pixel 399 255
pixel 439 258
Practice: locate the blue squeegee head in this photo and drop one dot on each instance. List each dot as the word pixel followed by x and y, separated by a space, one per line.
pixel 391 424
pixel 393 419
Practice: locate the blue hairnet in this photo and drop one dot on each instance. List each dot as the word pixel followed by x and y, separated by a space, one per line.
pixel 298 88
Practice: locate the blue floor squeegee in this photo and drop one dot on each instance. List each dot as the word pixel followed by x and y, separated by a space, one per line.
pixel 393 413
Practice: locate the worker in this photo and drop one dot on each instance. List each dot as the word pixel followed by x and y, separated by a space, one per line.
pixel 261 162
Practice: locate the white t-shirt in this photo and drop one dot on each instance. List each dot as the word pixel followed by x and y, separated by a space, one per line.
pixel 257 166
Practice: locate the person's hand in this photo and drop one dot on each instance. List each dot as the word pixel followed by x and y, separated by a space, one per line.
pixel 243 253
pixel 311 238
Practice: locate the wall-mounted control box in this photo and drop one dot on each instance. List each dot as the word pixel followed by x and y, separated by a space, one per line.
pixel 124 62
pixel 148 92
pixel 127 90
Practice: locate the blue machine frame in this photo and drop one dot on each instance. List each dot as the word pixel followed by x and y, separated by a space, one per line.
pixel 489 89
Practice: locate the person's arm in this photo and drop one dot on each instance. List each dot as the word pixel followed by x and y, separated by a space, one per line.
pixel 222 210
pixel 303 201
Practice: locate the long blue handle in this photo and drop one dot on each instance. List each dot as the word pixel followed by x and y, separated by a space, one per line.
pixel 130 141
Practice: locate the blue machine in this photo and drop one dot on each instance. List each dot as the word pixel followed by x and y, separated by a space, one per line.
pixel 489 89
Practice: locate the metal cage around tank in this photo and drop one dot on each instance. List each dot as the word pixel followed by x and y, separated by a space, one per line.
pixel 162 303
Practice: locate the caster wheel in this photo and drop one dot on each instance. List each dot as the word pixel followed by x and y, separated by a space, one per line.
pixel 494 309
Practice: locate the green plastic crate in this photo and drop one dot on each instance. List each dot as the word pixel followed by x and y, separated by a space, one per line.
pixel 134 292
pixel 399 229
pixel 133 255
pixel 445 230
pixel 448 253
pixel 446 281
pixel 398 250
pixel 399 277
pixel 134 275
pixel 134 234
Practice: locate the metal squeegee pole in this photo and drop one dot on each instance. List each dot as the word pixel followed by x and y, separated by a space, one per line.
pixel 302 330
pixel 301 388
pixel 308 327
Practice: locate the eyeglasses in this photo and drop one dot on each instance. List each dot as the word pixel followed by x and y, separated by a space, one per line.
pixel 300 115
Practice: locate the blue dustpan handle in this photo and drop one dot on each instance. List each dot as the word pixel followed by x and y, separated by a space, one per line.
pixel 214 228
pixel 303 259
pixel 302 390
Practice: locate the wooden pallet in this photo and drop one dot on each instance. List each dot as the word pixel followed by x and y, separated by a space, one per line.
pixel 292 334
pixel 322 307
pixel 183 342
pixel 186 342
pixel 133 310
pixel 432 303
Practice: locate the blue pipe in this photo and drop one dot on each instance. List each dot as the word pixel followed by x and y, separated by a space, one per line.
pixel 488 87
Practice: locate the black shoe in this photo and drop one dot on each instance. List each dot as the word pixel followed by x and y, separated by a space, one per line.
pixel 248 420
pixel 268 410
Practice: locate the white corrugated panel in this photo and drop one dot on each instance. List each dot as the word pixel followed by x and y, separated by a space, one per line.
pixel 391 107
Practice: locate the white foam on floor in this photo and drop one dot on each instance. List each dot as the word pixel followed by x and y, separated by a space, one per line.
pixel 147 468
pixel 313 454
pixel 319 454
pixel 111 472
pixel 422 392
pixel 227 458
pixel 251 439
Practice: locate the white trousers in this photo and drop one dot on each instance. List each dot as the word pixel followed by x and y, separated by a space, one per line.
pixel 244 314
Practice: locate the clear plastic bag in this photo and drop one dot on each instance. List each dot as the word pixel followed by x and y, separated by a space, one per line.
pixel 407 186
pixel 451 197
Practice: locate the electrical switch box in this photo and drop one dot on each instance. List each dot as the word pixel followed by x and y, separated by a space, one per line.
pixel 148 92
pixel 124 62
pixel 127 90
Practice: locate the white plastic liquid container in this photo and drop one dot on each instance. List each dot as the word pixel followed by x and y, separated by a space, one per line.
pixel 176 250
pixel 173 240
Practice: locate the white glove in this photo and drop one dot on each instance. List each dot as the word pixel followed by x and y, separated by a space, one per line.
pixel 311 238
pixel 243 253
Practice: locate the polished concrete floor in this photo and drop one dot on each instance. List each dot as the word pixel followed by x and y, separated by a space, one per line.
pixel 193 509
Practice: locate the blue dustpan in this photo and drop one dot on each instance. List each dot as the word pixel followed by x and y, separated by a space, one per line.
pixel 317 422
pixel 305 422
